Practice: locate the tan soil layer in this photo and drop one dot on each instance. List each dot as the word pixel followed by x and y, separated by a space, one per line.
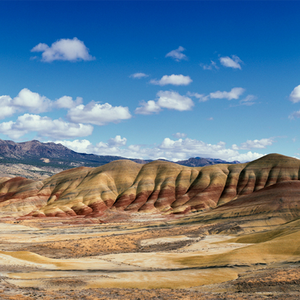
pixel 116 243
pixel 144 261
pixel 105 233
pixel 158 187
pixel 285 282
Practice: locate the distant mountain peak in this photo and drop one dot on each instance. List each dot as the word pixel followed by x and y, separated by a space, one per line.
pixel 57 155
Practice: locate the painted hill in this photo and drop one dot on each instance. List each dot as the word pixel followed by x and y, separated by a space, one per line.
pixel 264 185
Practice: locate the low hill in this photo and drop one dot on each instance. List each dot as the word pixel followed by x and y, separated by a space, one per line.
pixel 159 187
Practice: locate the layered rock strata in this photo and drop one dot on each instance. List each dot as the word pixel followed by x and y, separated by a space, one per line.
pixel 154 187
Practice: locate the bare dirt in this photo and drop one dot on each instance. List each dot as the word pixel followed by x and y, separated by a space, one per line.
pixel 143 260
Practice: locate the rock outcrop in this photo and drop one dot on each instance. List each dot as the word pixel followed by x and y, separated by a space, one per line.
pixel 159 186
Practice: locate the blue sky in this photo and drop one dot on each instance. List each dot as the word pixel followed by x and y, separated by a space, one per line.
pixel 153 79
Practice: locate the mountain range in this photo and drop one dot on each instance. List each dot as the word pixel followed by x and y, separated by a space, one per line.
pixel 34 159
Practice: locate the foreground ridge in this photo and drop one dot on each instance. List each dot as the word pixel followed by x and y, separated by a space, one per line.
pixel 156 187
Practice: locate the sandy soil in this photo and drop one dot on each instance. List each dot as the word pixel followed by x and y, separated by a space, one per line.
pixel 137 260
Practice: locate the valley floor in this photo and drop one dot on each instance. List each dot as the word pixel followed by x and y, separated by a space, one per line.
pixel 56 258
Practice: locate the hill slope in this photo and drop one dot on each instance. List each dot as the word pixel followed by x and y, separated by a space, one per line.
pixel 156 187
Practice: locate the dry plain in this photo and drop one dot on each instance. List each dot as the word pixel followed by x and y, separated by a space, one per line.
pixel 146 260
pixel 244 248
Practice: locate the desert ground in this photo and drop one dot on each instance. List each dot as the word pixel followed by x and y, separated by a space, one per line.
pixel 153 231
pixel 177 258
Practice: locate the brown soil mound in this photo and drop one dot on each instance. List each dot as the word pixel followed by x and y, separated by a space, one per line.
pixel 156 187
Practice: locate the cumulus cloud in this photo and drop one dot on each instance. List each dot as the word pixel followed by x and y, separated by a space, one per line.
pixel 32 102
pixel 138 75
pixel 165 99
pixel 295 94
pixel 44 126
pixel 81 146
pixel 117 141
pixel 7 107
pixel 173 100
pixel 114 146
pixel 64 49
pixel 26 100
pixel 67 102
pixel 169 149
pixel 254 144
pixel 177 54
pixel 98 114
pixel 233 62
pixel 93 113
pixel 148 108
pixel 172 79
pixel 235 93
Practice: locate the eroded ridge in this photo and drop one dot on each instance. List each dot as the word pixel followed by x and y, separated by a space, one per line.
pixel 156 187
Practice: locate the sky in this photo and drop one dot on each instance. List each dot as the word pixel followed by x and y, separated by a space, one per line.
pixel 153 79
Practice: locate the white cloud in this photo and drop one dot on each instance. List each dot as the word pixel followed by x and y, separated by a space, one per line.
pixel 179 135
pixel 81 146
pixel 117 141
pixel 177 54
pixel 172 79
pixel 248 101
pixel 249 156
pixel 235 93
pixel 169 149
pixel 254 144
pixel 165 99
pixel 295 94
pixel 113 146
pixel 7 108
pixel 201 97
pixel 186 148
pixel 138 75
pixel 64 49
pixel 233 62
pixel 32 102
pixel 98 114
pixel 92 113
pixel 67 102
pixel 295 114
pixel 26 100
pixel 148 108
pixel 211 66
pixel 173 100
pixel 44 126
pixel 40 47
